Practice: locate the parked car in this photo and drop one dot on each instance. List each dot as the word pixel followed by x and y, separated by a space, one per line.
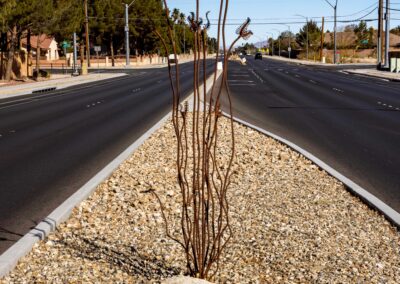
pixel 258 56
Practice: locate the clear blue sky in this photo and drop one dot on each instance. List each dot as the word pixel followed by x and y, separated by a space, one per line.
pixel 265 12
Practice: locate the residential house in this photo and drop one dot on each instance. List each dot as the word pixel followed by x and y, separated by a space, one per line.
pixel 48 46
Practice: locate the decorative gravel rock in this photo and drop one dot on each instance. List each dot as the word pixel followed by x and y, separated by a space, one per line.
pixel 292 223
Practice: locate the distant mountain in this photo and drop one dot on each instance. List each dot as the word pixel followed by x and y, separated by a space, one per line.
pixel 260 44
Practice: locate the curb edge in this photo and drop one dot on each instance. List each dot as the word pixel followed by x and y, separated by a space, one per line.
pixel 392 215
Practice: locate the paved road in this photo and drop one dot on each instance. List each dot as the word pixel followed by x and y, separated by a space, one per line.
pixel 350 122
pixel 52 145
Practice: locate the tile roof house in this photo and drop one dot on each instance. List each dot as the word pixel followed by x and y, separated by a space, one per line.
pixel 48 46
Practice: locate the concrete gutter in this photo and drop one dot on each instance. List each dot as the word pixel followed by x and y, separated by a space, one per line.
pixel 10 258
pixel 392 215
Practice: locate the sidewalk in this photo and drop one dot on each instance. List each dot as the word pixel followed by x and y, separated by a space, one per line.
pixel 315 63
pixel 375 73
pixel 61 82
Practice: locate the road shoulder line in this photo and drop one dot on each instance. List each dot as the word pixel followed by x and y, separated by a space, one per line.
pixel 373 201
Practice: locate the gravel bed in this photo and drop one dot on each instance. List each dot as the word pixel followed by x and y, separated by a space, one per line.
pixel 292 223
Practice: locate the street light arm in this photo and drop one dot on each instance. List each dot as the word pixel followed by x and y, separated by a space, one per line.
pixel 330 4
pixel 131 3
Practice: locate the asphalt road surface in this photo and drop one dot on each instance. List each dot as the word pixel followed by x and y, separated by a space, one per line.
pixel 350 122
pixel 51 145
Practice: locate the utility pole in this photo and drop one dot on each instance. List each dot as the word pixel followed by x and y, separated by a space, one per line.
pixel 379 42
pixel 322 39
pixel 87 33
pixel 335 28
pixel 387 33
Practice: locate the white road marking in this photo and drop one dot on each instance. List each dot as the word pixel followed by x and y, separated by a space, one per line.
pixel 312 81
pixel 384 104
pixel 379 103
pixel 390 106
pixel 297 76
pixel 241 81
pixel 242 84
pixel 337 90
pixel 236 75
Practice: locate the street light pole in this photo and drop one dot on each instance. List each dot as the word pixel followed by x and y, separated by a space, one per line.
pixel 127 32
pixel 335 28
pixel 290 40
pixel 279 41
pixel 306 33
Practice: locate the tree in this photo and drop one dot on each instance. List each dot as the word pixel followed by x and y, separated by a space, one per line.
pixel 396 30
pixel 364 35
pixel 108 25
pixel 40 21
pixel 314 36
pixel 5 17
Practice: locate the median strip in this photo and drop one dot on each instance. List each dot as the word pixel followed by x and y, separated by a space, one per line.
pixel 292 222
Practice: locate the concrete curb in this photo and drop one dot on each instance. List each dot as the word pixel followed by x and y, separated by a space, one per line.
pixel 371 75
pixel 391 214
pixel 10 258
pixel 27 89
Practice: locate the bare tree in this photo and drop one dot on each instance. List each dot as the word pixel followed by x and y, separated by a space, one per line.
pixel 203 181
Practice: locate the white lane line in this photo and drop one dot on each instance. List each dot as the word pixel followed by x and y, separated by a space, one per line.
pixel 379 103
pixel 312 81
pixel 286 72
pixel 384 104
pixel 297 76
pixel 397 108
pixel 390 106
pixel 241 81
pixel 235 75
pixel 337 90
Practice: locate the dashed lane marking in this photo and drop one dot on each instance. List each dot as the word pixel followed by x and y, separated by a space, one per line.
pixel 312 81
pixel 337 90
pixel 397 108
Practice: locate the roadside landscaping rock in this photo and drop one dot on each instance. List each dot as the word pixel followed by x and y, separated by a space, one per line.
pixel 292 223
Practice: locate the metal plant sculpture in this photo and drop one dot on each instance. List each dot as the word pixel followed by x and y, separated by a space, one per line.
pixel 203 181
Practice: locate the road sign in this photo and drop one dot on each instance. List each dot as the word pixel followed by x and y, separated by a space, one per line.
pixel 289 49
pixel 97 48
pixel 65 44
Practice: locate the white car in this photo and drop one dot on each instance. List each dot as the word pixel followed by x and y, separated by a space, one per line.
pixel 171 58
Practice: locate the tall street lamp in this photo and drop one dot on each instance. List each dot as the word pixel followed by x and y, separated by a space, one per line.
pixel 127 32
pixel 279 40
pixel 335 28
pixel 306 32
